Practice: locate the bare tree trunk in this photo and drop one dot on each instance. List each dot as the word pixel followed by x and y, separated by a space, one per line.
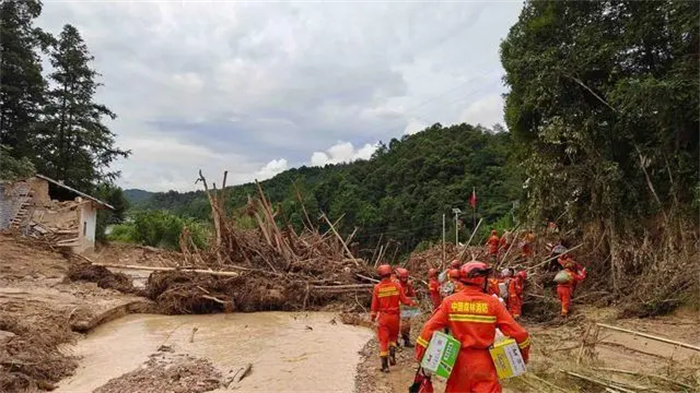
pixel 614 258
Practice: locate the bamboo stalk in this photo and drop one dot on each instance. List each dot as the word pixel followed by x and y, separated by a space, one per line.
pixel 303 208
pixel 366 278
pixel 649 336
pixel 552 258
pixel 345 246
pixel 349 286
pixel 596 381
pixel 466 245
pixel 533 375
pixel 637 374
pixel 379 256
pixel 168 269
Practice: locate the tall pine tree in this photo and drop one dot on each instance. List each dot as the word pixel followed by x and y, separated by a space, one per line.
pixel 78 147
pixel 22 85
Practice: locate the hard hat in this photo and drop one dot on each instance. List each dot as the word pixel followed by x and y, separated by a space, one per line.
pixel 474 273
pixel 454 273
pixel 507 272
pixel 402 273
pixel 384 270
pixel 432 272
pixel 455 264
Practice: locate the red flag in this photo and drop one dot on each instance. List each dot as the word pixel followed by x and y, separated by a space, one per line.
pixel 472 199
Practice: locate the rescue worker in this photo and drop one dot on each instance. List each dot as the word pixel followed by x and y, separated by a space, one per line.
pixel 503 243
pixel 473 316
pixel 493 243
pixel 566 290
pixel 526 251
pixel 410 293
pixel 565 259
pixel 445 275
pixel 454 277
pixel 515 294
pixel 385 309
pixel 434 288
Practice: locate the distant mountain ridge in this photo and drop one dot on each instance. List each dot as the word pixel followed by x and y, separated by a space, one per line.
pixel 400 193
pixel 136 196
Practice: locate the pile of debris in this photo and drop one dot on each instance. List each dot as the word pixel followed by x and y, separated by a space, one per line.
pixel 268 268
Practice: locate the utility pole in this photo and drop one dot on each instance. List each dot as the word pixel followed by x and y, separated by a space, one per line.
pixel 456 212
pixel 444 262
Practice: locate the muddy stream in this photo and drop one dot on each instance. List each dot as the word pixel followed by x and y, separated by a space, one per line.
pixel 289 351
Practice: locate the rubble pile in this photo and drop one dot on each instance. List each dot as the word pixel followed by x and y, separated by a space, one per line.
pixel 275 268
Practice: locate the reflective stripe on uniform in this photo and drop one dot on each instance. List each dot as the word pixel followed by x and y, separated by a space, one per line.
pixel 388 293
pixel 472 318
pixel 525 343
pixel 421 341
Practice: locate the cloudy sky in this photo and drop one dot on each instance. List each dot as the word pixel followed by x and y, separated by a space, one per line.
pixel 259 87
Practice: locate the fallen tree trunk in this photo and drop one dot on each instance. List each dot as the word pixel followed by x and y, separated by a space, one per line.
pixel 649 336
pixel 168 269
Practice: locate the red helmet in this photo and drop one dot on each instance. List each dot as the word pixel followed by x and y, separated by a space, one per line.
pixel 402 273
pixel 522 274
pixel 454 273
pixel 455 264
pixel 474 273
pixel 432 272
pixel 384 270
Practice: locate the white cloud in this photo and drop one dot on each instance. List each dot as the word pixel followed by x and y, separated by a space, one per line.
pixel 342 152
pixel 167 163
pixel 250 86
pixel 486 111
pixel 272 168
pixel 414 125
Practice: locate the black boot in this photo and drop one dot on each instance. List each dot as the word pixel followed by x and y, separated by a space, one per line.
pixel 392 356
pixel 385 364
pixel 407 341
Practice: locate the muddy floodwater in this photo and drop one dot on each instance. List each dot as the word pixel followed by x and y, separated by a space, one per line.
pixel 290 352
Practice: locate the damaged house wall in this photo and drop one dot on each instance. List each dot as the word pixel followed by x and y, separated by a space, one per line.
pixel 44 208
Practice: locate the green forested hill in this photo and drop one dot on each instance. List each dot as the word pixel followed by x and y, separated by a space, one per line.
pixel 401 192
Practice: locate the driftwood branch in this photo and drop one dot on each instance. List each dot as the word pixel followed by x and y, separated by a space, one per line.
pixel 649 336
pixel 345 246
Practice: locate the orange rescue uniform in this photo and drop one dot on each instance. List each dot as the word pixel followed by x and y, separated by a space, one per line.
pixel 526 250
pixel 409 293
pixel 434 290
pixel 566 290
pixel 385 307
pixel 515 296
pixel 492 288
pixel 473 316
pixel 493 244
pixel 503 244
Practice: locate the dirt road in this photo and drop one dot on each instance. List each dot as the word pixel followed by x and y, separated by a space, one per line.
pixel 557 346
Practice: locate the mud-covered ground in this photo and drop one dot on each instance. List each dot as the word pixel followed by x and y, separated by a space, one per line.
pixel 165 371
pixel 39 310
pixel 557 347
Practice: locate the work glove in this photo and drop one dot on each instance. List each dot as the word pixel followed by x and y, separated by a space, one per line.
pixel 420 351
pixel 526 354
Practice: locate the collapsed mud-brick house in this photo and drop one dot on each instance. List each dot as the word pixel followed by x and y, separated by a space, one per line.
pixel 44 208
